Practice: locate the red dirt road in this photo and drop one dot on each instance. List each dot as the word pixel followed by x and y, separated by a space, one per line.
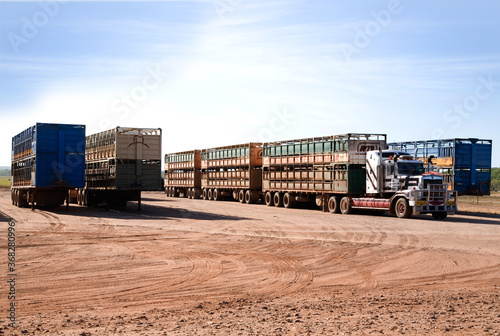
pixel 194 267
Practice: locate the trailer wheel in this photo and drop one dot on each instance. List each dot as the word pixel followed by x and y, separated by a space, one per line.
pixel 16 197
pixel 268 198
pixel 210 194
pixel 334 204
pixel 204 194
pixel 85 197
pixel 12 193
pixel 345 206
pixel 484 188
pixel 288 200
pixel 22 202
pixel 251 197
pixel 439 215
pixel 278 199
pixel 247 197
pixel 241 196
pixel 217 195
pixel 403 209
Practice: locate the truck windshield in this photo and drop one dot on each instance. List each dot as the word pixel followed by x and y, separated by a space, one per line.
pixel 410 168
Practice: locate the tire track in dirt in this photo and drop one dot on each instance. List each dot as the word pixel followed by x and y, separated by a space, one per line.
pixel 56 225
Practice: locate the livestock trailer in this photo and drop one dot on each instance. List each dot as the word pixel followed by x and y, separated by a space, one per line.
pixel 464 162
pixel 120 163
pixel 48 160
pixel 232 171
pixel 183 174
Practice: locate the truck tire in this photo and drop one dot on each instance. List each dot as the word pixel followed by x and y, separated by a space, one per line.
pixel 288 200
pixel 22 202
pixel 251 197
pixel 268 199
pixel 278 199
pixel 345 206
pixel 217 195
pixel 403 209
pixel 188 192
pixel 334 204
pixel 319 200
pixel 205 194
pixel 439 215
pixel 210 194
pixel 241 196
pixel 12 193
pixel 484 188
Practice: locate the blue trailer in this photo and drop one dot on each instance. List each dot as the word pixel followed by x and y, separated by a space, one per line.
pixel 464 162
pixel 48 160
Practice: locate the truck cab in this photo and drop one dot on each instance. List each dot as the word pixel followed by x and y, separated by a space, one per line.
pixel 397 176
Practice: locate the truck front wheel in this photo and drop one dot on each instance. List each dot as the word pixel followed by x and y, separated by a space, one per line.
pixel 403 209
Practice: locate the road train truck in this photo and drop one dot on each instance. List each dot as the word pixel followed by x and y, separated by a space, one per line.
pixel 48 161
pixel 349 172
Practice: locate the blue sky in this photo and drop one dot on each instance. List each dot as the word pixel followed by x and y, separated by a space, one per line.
pixel 221 72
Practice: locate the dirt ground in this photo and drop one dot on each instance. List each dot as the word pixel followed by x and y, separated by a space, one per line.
pixel 194 267
pixel 483 204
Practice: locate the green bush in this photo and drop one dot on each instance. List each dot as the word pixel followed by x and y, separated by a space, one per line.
pixel 495 184
pixel 495 174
